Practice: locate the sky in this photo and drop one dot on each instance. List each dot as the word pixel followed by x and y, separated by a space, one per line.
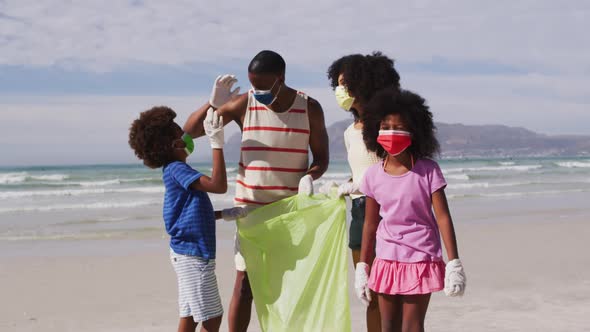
pixel 74 74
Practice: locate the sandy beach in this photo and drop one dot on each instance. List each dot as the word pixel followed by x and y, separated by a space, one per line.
pixel 526 261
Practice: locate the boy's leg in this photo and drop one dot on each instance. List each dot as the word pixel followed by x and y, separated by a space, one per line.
pixel 211 325
pixel 187 324
pixel 390 307
pixel 240 308
pixel 373 316
pixel 414 309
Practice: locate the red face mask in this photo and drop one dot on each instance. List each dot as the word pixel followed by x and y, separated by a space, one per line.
pixel 394 141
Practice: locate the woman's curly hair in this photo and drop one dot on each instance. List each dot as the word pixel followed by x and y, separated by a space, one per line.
pixel 151 136
pixel 364 74
pixel 414 113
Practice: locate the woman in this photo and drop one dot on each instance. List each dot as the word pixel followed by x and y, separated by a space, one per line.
pixel 355 78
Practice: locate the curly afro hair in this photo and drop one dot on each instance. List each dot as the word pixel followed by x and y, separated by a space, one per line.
pixel 414 113
pixel 364 74
pixel 152 135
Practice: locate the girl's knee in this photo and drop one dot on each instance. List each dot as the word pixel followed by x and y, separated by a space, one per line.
pixel 374 304
pixel 391 325
pixel 413 325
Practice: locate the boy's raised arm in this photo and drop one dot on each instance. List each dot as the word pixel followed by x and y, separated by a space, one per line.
pixel 217 183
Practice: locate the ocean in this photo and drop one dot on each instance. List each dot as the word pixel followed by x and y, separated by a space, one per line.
pixel 114 201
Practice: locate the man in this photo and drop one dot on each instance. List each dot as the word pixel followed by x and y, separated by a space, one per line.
pixel 279 125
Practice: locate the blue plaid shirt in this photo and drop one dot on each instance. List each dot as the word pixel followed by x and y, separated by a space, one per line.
pixel 188 213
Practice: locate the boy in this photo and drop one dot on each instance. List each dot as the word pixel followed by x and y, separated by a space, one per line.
pixel 188 213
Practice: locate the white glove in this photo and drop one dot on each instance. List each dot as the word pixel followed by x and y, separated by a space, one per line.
pixel 306 185
pixel 455 279
pixel 221 92
pixel 361 280
pixel 327 187
pixel 234 213
pixel 213 125
pixel 347 188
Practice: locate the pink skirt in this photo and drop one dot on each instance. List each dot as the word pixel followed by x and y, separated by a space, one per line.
pixel 396 278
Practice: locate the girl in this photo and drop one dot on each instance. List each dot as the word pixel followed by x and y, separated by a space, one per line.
pixel 401 235
pixel 355 79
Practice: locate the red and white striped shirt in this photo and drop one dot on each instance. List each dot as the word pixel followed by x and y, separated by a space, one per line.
pixel 274 152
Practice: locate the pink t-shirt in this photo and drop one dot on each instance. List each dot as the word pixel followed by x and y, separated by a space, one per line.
pixel 408 231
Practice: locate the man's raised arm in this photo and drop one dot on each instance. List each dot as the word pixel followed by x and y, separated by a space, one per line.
pixel 231 111
pixel 221 95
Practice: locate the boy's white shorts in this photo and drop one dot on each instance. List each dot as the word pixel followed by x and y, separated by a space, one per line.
pixel 198 294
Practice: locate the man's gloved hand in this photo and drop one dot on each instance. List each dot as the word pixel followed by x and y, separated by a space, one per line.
pixel 234 213
pixel 306 185
pixel 221 92
pixel 213 125
pixel 347 188
pixel 361 280
pixel 455 279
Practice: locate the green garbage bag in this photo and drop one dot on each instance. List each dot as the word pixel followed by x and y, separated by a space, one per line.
pixel 296 255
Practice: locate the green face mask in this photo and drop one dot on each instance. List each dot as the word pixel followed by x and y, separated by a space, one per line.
pixel 343 99
pixel 190 144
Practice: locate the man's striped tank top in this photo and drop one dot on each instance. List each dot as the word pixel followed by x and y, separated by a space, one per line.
pixel 274 152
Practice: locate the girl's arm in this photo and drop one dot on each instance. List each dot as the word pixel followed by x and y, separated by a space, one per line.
pixel 445 223
pixel 372 220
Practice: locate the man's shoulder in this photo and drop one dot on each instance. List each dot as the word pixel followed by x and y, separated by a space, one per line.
pixel 313 105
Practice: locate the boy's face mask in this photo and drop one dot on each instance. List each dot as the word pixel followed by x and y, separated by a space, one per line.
pixel 343 99
pixel 394 141
pixel 189 144
pixel 265 97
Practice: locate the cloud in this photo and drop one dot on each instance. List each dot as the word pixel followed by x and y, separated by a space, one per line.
pixel 103 36
pixel 74 74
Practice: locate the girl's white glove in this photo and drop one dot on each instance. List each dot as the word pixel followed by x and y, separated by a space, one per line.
pixel 213 125
pixel 221 92
pixel 455 279
pixel 361 280
pixel 234 213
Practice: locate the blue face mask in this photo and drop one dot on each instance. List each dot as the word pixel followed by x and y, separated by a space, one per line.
pixel 265 97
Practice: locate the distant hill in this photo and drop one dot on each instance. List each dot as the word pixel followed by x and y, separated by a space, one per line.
pixel 468 141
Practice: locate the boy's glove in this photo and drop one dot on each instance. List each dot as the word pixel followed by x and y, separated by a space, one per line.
pixel 361 280
pixel 455 279
pixel 347 188
pixel 234 213
pixel 306 185
pixel 213 125
pixel 221 92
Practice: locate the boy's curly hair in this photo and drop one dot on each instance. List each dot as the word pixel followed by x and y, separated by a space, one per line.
pixel 152 134
pixel 414 113
pixel 364 74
